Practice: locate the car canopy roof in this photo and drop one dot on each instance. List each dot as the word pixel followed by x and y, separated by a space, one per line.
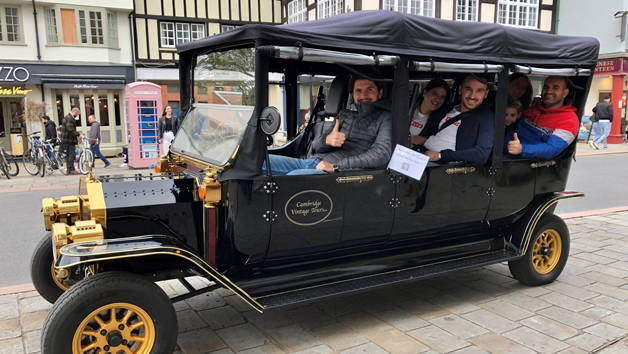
pixel 392 32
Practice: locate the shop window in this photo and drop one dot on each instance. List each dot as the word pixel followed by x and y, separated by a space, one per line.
pixel 414 7
pixel 103 107
pixel 59 102
pixel 113 29
pixel 116 107
pixel 75 101
pixel 202 90
pixel 297 11
pixel 89 104
pixel 328 8
pixel 10 25
pixel 51 26
pixel 3 133
pixel 172 88
pixel 467 10
pixel 518 13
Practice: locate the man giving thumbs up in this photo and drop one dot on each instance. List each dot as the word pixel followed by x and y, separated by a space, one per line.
pixel 359 138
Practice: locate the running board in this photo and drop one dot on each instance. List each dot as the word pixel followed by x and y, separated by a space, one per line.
pixel 380 280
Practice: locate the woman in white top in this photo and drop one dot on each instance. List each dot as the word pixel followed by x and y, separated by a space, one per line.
pixel 434 96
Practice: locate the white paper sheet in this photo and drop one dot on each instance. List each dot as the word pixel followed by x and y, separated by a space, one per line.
pixel 17 139
pixel 408 162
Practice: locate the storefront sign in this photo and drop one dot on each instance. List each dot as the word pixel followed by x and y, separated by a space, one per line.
pixel 13 91
pixel 12 74
pixel 609 66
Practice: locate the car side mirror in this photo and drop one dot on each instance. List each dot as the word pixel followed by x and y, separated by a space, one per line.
pixel 269 120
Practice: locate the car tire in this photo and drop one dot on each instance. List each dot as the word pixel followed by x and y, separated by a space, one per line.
pixel 77 320
pixel 42 271
pixel 546 254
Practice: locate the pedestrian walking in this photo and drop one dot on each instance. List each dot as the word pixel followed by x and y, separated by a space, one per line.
pixel 604 115
pixel 69 139
pixel 167 124
pixel 94 139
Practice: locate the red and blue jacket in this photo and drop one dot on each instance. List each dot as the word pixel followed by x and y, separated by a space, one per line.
pixel 545 132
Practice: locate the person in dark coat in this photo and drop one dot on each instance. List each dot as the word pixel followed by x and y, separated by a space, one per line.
pixel 69 139
pixel 463 132
pixel 50 135
pixel 604 115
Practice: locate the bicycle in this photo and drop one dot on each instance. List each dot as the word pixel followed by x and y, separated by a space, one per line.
pixel 86 156
pixel 11 168
pixel 53 157
pixel 33 157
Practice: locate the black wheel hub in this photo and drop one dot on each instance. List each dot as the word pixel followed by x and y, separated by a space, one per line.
pixel 114 339
pixel 545 251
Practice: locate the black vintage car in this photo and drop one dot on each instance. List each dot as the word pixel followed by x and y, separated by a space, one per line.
pixel 280 240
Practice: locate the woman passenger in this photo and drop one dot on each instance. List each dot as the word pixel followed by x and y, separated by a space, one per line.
pixel 520 87
pixel 434 96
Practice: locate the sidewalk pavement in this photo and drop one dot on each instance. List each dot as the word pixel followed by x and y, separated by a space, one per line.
pixel 583 149
pixel 477 311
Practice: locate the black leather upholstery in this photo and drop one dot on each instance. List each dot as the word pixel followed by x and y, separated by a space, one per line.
pixel 337 97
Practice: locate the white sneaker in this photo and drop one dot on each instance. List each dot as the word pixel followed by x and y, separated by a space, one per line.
pixel 596 145
pixel 123 165
pixel 591 144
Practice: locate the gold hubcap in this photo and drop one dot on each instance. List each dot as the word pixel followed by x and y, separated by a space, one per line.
pixel 546 251
pixel 119 328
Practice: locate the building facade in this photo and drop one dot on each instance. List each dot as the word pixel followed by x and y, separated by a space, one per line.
pixel 607 23
pixel 66 54
pixel 159 25
pixel 538 15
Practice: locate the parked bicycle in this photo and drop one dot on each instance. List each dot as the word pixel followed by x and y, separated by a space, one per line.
pixel 8 164
pixel 85 156
pixel 54 159
pixel 33 158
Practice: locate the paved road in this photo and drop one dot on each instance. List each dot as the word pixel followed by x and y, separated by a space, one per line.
pixel 602 178
pixel 23 225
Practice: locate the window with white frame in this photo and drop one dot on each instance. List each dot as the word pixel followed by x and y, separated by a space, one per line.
pixel 10 24
pixel 82 27
pixel 467 10
pixel 173 33
pixel 414 7
pixel 167 34
pixel 96 28
pixel 112 28
pixel 198 31
pixel 297 11
pixel 183 32
pixel 327 8
pixel 225 28
pixel 519 13
pixel 51 26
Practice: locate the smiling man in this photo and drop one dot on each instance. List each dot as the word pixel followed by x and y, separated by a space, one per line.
pixel 359 138
pixel 463 132
pixel 547 129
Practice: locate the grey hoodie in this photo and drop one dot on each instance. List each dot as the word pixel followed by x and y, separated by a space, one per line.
pixel 368 134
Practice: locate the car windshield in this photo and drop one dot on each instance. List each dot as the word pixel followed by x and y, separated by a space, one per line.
pixel 224 84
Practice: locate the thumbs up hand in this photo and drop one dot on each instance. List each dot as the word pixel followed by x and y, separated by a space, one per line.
pixel 335 138
pixel 514 146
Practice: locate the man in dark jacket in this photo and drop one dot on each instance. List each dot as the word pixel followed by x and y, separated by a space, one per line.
pixel 359 139
pixel 69 139
pixel 463 132
pixel 604 115
pixel 50 134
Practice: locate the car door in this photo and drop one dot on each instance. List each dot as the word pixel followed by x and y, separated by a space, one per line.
pixel 470 193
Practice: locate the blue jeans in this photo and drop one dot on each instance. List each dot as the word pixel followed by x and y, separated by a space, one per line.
pixel 605 130
pixel 96 150
pixel 289 166
pixel 595 127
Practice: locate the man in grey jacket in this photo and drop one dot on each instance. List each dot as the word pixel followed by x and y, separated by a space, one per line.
pixel 94 139
pixel 359 139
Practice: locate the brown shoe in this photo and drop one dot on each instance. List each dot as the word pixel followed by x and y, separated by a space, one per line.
pixel 75 172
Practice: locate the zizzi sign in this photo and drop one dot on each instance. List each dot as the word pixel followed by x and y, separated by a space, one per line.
pixel 12 74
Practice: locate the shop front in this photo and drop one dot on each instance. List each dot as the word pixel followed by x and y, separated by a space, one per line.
pixel 610 78
pixel 93 89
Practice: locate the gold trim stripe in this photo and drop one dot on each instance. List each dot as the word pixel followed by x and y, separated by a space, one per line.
pixel 179 252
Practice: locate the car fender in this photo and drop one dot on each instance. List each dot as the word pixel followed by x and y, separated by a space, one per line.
pixel 522 230
pixel 141 246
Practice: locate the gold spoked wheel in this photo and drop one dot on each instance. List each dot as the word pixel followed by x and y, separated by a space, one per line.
pixel 546 251
pixel 119 328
